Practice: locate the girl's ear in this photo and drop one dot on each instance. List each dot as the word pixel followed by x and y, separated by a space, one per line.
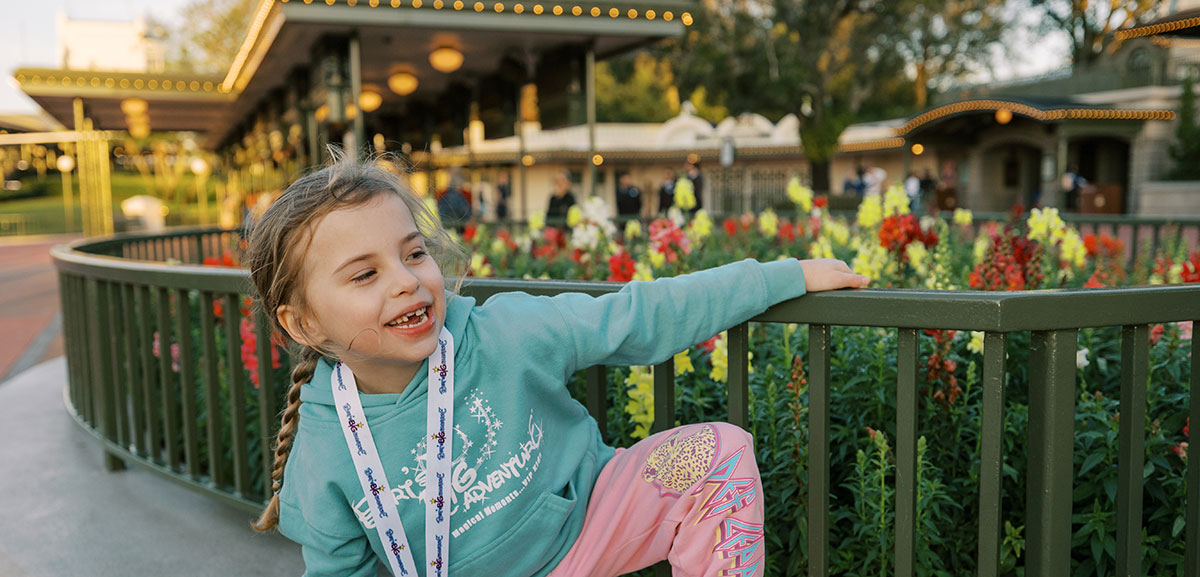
pixel 298 326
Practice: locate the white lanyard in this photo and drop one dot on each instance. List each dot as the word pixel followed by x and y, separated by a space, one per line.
pixel 438 457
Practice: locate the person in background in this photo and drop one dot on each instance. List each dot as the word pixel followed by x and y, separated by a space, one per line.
pixel 562 199
pixel 912 188
pixel 1072 184
pixel 453 207
pixel 629 198
pixel 693 174
pixel 666 191
pixel 503 191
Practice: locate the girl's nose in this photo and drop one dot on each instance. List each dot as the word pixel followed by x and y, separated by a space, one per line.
pixel 404 280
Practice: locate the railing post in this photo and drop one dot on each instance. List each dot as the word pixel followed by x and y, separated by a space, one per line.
pixel 906 452
pixel 237 395
pixel 597 397
pixel 738 346
pixel 818 450
pixel 664 396
pixel 1131 456
pixel 991 454
pixel 1192 561
pixel 1051 445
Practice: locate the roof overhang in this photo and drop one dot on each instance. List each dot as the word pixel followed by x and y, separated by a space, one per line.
pixel 1000 109
pixel 174 101
pixel 284 35
pixel 1182 24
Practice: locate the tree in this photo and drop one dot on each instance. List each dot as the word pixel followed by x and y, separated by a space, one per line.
pixel 638 89
pixel 943 40
pixel 1186 151
pixel 1092 25
pixel 210 36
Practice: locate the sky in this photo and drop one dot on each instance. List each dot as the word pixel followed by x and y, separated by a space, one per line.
pixel 28 38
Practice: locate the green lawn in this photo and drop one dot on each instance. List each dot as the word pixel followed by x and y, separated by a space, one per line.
pixel 44 214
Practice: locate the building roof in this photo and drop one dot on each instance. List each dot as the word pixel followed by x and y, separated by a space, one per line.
pixel 674 140
pixel 894 133
pixel 1183 24
pixel 285 33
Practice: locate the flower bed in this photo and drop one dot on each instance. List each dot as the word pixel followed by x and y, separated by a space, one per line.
pixel 896 249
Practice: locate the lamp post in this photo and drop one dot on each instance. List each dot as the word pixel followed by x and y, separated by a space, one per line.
pixel 66 164
pixel 201 169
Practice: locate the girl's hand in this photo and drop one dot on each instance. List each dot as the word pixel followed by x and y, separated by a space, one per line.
pixel 829 274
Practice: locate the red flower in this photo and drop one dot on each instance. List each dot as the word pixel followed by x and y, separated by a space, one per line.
pixel 211 261
pixel 469 232
pixel 1096 280
pixel 787 232
pixel 507 238
pixel 250 351
pixel 621 267
pixel 1089 243
pixel 710 345
pixel 730 226
pixel 554 236
pixel 821 201
pixel 1187 427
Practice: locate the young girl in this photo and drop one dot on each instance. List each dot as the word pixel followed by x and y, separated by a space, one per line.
pixel 436 434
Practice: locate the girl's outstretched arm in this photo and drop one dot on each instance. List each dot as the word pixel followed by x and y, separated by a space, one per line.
pixel 647 322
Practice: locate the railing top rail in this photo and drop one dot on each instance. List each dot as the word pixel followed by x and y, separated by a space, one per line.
pixel 907 308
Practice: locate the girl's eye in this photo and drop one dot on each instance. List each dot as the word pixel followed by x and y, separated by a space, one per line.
pixel 418 254
pixel 364 277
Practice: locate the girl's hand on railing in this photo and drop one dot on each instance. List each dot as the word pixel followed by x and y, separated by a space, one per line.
pixel 829 274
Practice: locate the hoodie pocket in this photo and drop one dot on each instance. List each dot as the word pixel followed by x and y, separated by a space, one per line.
pixel 525 546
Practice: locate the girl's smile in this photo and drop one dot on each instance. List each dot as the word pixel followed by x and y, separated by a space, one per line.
pixel 374 296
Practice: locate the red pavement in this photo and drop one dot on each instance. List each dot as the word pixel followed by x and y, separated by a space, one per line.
pixel 28 298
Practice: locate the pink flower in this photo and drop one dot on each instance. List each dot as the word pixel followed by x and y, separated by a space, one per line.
pixel 250 351
pixel 1185 330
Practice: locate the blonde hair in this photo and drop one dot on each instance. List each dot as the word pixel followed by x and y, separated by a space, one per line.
pixel 274 256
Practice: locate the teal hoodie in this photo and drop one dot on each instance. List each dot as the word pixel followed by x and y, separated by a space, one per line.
pixel 526 453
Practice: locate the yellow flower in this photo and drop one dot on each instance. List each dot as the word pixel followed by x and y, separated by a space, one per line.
pixel 836 230
pixel 640 407
pixel 918 258
pixel 1045 225
pixel 768 223
pixel 633 229
pixel 870 212
pixel 963 217
pixel 701 225
pixel 657 259
pixel 871 260
pixel 720 360
pixel 498 246
pixel 895 200
pixel 800 194
pixel 976 344
pixel 479 267
pixel 1072 250
pixel 685 194
pixel 982 243
pixel 537 221
pixel 641 271
pixel 821 248
pixel 574 215
pixel 683 363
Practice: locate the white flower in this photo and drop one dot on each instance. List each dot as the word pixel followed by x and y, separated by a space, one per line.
pixel 1081 358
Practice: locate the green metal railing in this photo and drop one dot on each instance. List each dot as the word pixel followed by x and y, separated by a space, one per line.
pixel 173 413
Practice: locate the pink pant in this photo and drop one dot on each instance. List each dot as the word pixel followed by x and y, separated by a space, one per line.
pixel 691 495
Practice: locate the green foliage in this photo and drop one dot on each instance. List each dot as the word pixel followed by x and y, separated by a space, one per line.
pixel 1186 150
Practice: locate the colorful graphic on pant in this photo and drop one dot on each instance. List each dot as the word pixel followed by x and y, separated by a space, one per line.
pixel 731 494
pixel 677 464
pixel 486 475
pixel 742 543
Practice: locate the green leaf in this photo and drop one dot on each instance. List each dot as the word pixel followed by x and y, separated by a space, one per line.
pixel 1177 528
pixel 1091 461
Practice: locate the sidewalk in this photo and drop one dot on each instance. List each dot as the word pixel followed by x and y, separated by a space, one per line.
pixel 64 515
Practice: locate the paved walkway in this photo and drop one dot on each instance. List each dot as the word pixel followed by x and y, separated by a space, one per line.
pixel 29 321
pixel 62 513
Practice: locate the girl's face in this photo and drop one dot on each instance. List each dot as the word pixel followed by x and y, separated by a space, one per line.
pixel 375 296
